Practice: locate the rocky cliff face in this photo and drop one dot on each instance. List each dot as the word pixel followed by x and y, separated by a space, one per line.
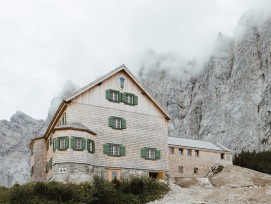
pixel 229 101
pixel 15 136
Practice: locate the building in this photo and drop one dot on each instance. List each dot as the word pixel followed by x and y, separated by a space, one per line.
pixel 194 158
pixel 112 127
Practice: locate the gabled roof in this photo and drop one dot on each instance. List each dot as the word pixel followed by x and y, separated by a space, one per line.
pixel 101 79
pixel 196 144
pixel 68 99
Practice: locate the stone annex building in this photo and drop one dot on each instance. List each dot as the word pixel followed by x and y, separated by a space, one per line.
pixel 113 128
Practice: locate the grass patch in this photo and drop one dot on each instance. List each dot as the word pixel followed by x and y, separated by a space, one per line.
pixel 134 190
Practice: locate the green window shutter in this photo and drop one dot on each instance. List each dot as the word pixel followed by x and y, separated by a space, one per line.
pixel 106 148
pixel 122 151
pixel 32 171
pixel 66 142
pixel 47 169
pixel 123 123
pixel 50 141
pixel 90 142
pixel 107 95
pixel 157 154
pixel 124 98
pixel 83 143
pixel 143 152
pixel 93 147
pixel 57 143
pixel 54 144
pixel 111 122
pixel 47 144
pixel 73 142
pixel 119 96
pixel 135 100
pixel 51 163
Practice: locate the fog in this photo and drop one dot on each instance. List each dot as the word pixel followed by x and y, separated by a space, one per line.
pixel 45 43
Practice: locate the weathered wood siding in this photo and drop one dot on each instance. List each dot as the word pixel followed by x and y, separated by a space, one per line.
pixel 146 126
pixel 204 162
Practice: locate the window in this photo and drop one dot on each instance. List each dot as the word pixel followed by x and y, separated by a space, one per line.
pixel 117 122
pixel 196 170
pixel 113 95
pixel 78 143
pixel 129 99
pixel 171 150
pixel 62 120
pixel 196 153
pixel 150 153
pixel 189 152
pixel 62 170
pixel 61 143
pixel 222 156
pixel 180 169
pixel 180 151
pixel 114 150
pixel 32 171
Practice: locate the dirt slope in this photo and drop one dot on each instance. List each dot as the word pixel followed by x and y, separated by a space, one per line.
pixel 233 185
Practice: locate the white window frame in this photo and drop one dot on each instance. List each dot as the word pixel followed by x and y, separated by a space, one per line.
pixel 150 153
pixel 117 122
pixel 115 150
pixel 78 143
pixel 171 150
pixel 114 95
pixel 130 98
pixel 62 143
pixel 190 152
pixel 62 170
pixel 196 153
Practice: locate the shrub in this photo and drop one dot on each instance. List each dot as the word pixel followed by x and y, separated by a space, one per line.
pixel 133 190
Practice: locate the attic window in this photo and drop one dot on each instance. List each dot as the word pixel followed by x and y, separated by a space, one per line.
pixel 62 120
pixel 113 95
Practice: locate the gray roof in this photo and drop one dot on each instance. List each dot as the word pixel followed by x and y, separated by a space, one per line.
pixel 196 144
pixel 77 126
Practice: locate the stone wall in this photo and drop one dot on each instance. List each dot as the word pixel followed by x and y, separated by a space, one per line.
pixel 204 162
pixel 38 160
pixel 77 173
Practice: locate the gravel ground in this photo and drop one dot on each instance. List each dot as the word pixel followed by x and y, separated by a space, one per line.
pixel 233 185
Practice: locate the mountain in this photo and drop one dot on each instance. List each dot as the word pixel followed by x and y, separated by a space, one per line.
pixel 228 102
pixel 15 136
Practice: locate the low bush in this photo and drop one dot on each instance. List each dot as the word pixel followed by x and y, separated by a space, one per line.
pixel 133 190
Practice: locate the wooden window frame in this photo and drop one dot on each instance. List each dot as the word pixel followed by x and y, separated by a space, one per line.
pixel 117 171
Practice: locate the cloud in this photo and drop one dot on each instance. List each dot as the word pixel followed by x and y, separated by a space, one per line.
pixel 45 43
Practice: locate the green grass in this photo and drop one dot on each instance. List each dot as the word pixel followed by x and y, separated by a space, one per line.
pixel 134 190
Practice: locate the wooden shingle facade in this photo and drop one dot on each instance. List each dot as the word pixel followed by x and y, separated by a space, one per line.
pixel 112 127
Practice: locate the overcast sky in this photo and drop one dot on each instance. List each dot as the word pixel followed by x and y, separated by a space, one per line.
pixel 45 43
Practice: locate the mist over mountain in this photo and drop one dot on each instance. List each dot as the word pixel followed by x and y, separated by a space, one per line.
pixel 224 99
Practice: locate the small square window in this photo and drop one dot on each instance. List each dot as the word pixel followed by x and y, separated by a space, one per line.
pixel 196 170
pixel 150 153
pixel 196 153
pixel 62 170
pixel 222 156
pixel 171 150
pixel 180 151
pixel 189 152
pixel 114 150
pixel 180 169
